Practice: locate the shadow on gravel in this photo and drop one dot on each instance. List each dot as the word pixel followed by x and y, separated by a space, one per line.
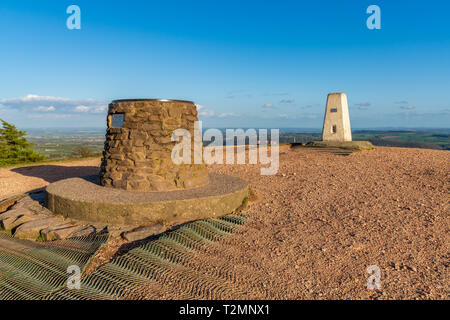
pixel 52 173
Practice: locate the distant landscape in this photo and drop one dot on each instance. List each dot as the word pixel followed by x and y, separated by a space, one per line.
pixel 410 138
pixel 63 143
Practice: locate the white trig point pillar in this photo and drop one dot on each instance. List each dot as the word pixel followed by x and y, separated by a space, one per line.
pixel 336 123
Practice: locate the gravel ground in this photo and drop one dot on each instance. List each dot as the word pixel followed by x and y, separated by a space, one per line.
pixel 18 180
pixel 324 218
pixel 316 226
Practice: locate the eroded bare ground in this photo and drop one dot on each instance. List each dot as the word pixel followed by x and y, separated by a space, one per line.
pixel 323 219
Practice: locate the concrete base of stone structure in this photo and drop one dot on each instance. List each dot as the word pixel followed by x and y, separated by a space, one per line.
pixel 85 200
pixel 356 145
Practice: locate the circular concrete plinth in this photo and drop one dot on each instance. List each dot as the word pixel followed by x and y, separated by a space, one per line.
pixel 85 200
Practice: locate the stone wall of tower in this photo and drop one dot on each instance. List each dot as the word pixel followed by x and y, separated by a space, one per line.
pixel 137 154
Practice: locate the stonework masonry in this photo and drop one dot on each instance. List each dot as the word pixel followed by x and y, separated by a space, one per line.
pixel 336 124
pixel 138 146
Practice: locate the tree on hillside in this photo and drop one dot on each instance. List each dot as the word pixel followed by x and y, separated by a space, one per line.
pixel 82 151
pixel 14 146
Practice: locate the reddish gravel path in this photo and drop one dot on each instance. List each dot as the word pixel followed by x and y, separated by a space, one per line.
pixel 321 221
pixel 325 218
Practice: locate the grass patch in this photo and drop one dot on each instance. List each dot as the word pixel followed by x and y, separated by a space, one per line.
pixel 40 238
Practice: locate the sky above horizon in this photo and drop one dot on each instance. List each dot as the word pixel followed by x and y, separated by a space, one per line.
pixel 244 63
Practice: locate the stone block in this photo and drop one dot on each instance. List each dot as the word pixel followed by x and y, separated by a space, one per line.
pixel 15 213
pixel 83 231
pixel 59 233
pixel 31 230
pixel 144 232
pixel 11 223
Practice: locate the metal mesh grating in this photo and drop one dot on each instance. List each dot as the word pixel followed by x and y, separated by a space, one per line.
pixel 31 270
pixel 165 261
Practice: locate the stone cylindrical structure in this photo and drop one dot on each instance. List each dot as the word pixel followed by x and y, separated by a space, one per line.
pixel 138 146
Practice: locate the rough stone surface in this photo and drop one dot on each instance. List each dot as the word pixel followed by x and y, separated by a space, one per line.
pixel 60 232
pixel 14 213
pixel 84 231
pixel 336 124
pixel 31 230
pixel 28 219
pixel 137 155
pixel 24 211
pixel 5 204
pixel 86 201
pixel 143 232
pixel 13 222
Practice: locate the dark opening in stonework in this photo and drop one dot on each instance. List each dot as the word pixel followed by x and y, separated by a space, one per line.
pixel 333 110
pixel 117 120
pixel 334 129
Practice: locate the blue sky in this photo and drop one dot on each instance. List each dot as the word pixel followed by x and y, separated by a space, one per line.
pixel 245 63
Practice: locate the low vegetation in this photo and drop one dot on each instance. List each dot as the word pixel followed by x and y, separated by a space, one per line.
pixel 83 151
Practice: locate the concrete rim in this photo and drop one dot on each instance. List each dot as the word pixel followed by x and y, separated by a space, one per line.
pixel 85 200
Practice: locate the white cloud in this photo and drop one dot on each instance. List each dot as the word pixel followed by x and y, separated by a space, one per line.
pixel 100 109
pixel 33 98
pixel 204 111
pixel 35 103
pixel 227 115
pixel 45 108
pixel 91 109
pixel 82 108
